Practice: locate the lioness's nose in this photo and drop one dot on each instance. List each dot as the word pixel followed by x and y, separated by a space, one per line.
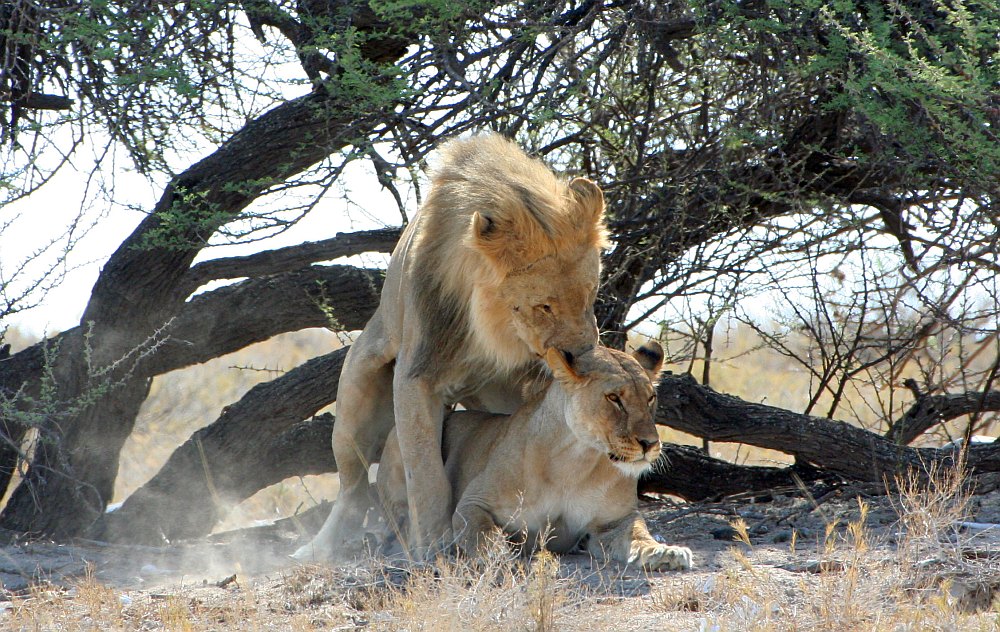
pixel 647 445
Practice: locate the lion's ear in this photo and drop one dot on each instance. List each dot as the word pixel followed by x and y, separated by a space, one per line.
pixel 560 366
pixel 487 238
pixel 650 357
pixel 483 227
pixel 508 244
pixel 589 198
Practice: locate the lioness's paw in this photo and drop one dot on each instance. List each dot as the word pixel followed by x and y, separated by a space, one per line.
pixel 661 557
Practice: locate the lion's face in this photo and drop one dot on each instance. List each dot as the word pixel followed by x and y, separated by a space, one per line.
pixel 612 402
pixel 541 246
pixel 551 302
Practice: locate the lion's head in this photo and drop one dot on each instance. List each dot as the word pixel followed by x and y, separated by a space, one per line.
pixel 612 400
pixel 525 274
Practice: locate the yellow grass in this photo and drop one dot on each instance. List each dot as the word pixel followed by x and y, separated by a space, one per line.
pixel 859 583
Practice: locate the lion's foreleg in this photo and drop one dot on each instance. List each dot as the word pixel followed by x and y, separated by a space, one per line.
pixel 419 421
pixel 364 419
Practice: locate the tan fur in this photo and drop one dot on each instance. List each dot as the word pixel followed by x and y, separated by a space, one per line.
pixel 501 263
pixel 563 466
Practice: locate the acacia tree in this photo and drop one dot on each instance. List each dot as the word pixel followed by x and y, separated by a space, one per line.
pixel 745 147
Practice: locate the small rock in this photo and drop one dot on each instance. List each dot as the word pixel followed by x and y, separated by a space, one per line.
pixel 815 566
pixel 785 535
pixel 724 533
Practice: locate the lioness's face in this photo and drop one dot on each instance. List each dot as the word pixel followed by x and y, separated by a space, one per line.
pixel 551 302
pixel 613 402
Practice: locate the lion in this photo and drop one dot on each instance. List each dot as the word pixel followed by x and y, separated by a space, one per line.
pixel 564 467
pixel 500 263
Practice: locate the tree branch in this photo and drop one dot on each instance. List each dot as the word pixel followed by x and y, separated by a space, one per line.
pixel 229 318
pixel 39 101
pixel 688 472
pixel 292 257
pixel 930 410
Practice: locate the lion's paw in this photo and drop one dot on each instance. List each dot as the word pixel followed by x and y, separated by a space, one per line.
pixel 661 557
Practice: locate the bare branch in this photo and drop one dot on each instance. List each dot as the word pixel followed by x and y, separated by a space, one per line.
pixel 293 257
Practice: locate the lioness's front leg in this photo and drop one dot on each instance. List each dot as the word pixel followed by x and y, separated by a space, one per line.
pixel 419 421
pixel 654 556
pixel 628 540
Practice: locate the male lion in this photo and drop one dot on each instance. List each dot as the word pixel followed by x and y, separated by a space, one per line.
pixel 564 466
pixel 500 264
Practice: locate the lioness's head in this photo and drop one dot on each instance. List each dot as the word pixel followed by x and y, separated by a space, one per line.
pixel 612 402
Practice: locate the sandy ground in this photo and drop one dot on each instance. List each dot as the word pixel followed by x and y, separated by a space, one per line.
pixel 788 536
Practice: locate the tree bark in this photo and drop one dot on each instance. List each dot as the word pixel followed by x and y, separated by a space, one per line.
pixel 225 320
pixel 930 410
pixel 293 258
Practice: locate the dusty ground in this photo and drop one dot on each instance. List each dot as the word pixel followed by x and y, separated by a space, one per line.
pixel 799 547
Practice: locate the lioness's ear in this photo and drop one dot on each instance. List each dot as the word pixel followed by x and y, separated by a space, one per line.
pixel 590 199
pixel 560 367
pixel 650 357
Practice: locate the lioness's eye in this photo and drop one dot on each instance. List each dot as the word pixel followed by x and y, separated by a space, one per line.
pixel 652 400
pixel 545 308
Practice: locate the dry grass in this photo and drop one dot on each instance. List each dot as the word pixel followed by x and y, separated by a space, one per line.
pixel 920 577
pixel 498 593
pixel 853 581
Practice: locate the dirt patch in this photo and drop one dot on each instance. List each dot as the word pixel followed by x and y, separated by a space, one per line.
pixel 787 558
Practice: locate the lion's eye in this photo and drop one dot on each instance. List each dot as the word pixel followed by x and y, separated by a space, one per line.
pixel 545 308
pixel 515 308
pixel 652 400
pixel 614 399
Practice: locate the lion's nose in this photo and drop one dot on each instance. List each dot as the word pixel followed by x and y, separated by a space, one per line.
pixel 647 445
pixel 569 356
pixel 575 352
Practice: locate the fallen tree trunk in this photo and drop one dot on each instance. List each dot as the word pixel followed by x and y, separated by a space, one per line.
pixel 834 446
pixel 691 474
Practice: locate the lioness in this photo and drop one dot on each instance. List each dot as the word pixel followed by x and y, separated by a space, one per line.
pixel 564 466
pixel 500 263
